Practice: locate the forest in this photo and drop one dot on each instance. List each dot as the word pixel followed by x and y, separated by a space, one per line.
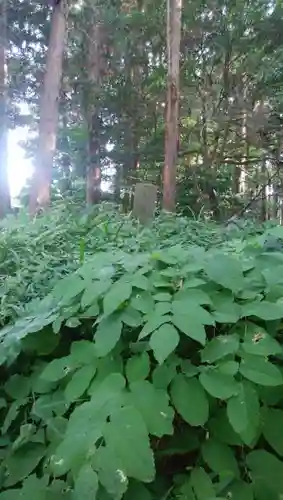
pixel 141 342
pixel 96 76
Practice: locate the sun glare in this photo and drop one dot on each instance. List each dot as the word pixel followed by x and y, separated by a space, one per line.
pixel 19 167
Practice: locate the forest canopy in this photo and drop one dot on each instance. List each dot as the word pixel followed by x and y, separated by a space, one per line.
pixel 185 96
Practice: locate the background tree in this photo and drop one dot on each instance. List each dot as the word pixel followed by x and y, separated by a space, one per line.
pixel 40 191
pixel 230 68
pixel 4 186
pixel 174 12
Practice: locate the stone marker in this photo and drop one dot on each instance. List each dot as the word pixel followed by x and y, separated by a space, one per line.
pixel 145 202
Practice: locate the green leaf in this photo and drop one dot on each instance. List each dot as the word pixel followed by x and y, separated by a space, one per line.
pixel 190 400
pixel 22 462
pixel 228 367
pixel 143 302
pixel 225 271
pixel 243 409
pixel 220 458
pixel 127 437
pixel 221 429
pixel 193 282
pixel 194 312
pixel 138 367
pixel 260 343
pixel 263 310
pixel 90 312
pixel 106 396
pixel 184 491
pixel 131 317
pixel 219 385
pixel 266 470
pixel 154 407
pixel 58 491
pixel 58 369
pixel 17 386
pixel 79 383
pixel 86 424
pixel 140 281
pixel 163 342
pixel 270 396
pixel 111 472
pixel 202 484
pixel 86 483
pixel 47 405
pixel 162 308
pixel 42 344
pixel 273 275
pixel 93 290
pixel 227 312
pixel 272 429
pixel 162 297
pixel 138 491
pixel 83 352
pixel 107 334
pixel 117 295
pixel 11 335
pixel 188 369
pixel 56 428
pixel 189 327
pixel 163 375
pixel 110 365
pixel 27 431
pixel 72 451
pixel 260 371
pixel 34 487
pixel 219 347
pixel 57 323
pixel 193 295
pixel 164 256
pixel 14 494
pixel 154 321
pixel 68 288
pixel 239 490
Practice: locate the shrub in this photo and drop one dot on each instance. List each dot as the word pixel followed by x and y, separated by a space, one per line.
pixel 148 375
pixel 35 254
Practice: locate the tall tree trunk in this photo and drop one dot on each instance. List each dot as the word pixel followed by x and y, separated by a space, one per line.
pixel 209 184
pixel 95 70
pixel 263 206
pixel 93 181
pixel 41 185
pixel 132 135
pixel 276 184
pixel 174 13
pixel 243 178
pixel 4 184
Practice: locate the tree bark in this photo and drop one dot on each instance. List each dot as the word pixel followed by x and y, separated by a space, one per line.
pixel 174 13
pixel 48 121
pixel 95 71
pixel 263 207
pixel 4 184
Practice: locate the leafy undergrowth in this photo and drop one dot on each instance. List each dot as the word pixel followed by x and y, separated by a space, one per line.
pixel 152 370
pixel 35 254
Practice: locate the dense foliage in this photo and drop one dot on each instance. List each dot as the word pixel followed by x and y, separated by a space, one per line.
pixel 144 362
pixel 230 98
